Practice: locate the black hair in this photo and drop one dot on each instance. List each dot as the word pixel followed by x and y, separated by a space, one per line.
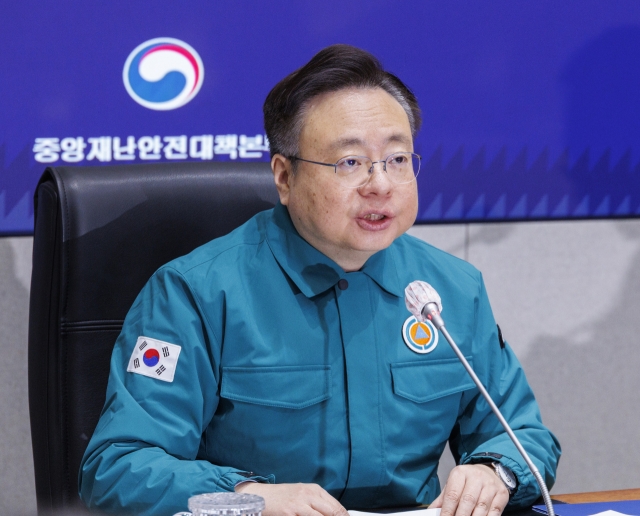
pixel 334 68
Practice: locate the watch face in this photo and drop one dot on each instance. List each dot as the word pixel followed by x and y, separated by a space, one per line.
pixel 506 475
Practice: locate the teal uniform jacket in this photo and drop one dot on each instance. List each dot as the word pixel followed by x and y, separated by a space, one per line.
pixel 288 373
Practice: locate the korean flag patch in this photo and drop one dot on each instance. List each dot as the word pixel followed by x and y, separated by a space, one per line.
pixel 154 358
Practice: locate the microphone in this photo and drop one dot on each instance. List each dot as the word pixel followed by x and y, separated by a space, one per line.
pixel 423 302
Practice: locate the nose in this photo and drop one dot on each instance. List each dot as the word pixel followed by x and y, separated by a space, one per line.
pixel 373 166
pixel 378 183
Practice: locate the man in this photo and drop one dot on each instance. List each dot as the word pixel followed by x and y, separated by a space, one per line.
pixel 295 371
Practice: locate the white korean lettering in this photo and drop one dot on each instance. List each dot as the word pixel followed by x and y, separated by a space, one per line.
pixel 201 146
pixel 176 147
pixel 124 152
pixel 72 149
pixel 252 146
pixel 46 150
pixel 226 144
pixel 149 147
pixel 100 148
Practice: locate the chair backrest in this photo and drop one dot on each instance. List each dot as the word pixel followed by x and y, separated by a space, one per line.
pixel 100 233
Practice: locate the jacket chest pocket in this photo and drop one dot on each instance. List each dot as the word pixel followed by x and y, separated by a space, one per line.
pixel 424 381
pixel 291 387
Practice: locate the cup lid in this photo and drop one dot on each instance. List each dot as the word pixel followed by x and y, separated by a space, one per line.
pixel 226 503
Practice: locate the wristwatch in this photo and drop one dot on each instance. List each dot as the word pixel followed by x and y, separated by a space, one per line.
pixel 507 476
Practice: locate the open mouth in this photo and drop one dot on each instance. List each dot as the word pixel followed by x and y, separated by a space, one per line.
pixel 374 221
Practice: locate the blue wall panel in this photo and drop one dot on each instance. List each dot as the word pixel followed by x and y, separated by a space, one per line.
pixel 531 108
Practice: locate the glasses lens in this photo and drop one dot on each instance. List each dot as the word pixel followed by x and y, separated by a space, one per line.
pixel 403 167
pixel 354 170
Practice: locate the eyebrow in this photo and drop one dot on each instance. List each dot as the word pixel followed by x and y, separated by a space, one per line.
pixel 348 142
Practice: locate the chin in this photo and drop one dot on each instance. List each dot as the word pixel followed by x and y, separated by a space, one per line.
pixel 373 245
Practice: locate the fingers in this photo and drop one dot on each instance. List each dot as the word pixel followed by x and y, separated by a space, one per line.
pixel 493 506
pixel 491 503
pixel 494 496
pixel 451 496
pixel 328 509
pixel 460 493
pixel 295 500
pixel 437 502
pixel 472 490
pixel 328 505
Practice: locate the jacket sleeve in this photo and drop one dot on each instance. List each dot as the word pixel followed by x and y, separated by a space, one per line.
pixel 479 436
pixel 142 458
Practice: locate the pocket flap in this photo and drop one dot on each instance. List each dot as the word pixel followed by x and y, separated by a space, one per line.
pixel 426 381
pixel 283 386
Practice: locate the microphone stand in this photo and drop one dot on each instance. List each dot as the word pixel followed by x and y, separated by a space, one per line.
pixel 431 312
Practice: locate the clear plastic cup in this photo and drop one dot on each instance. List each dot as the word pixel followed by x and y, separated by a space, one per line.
pixel 224 504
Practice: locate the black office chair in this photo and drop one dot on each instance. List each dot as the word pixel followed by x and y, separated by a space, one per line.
pixel 100 233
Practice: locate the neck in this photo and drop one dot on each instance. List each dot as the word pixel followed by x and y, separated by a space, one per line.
pixel 350 260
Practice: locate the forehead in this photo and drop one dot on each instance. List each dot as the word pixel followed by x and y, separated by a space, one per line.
pixel 355 118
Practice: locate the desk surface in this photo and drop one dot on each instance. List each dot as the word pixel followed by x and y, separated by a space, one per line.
pixel 600 496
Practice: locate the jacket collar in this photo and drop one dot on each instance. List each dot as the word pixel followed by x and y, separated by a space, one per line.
pixel 313 272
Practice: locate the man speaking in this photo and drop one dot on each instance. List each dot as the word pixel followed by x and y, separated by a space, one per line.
pixel 281 359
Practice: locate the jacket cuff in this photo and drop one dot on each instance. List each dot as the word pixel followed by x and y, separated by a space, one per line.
pixel 228 481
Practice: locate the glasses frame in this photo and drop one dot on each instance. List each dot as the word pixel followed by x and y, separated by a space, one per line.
pixel 370 171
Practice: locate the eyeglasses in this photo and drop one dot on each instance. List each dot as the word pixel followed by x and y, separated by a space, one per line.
pixel 355 171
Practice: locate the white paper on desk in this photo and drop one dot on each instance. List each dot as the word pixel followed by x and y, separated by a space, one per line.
pixel 419 512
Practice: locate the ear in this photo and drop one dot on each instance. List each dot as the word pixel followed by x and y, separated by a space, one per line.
pixel 282 176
